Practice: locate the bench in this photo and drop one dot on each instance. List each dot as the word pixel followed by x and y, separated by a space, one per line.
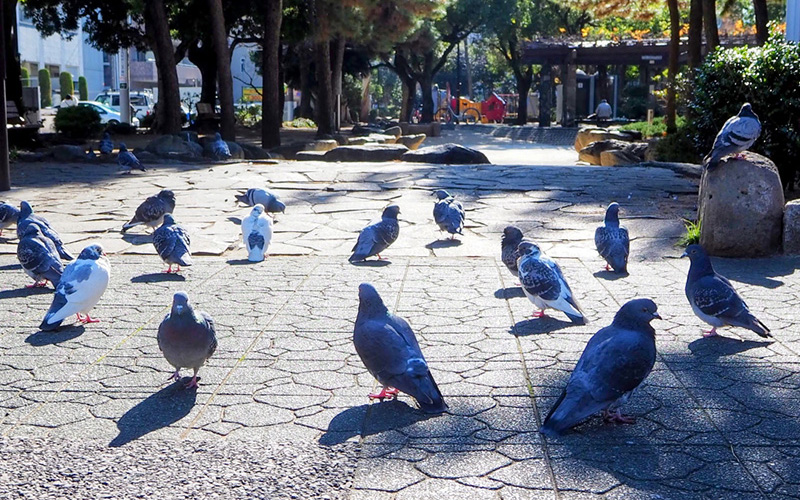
pixel 207 120
pixel 20 131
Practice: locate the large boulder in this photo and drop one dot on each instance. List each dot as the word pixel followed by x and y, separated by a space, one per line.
pixel 633 152
pixel 412 142
pixel 433 129
pixel 453 154
pixel 321 145
pixel 237 153
pixel 589 135
pixel 367 152
pixel 288 151
pixel 395 131
pixel 68 152
pixel 741 207
pixel 254 152
pixel 617 158
pixel 170 146
pixel 791 228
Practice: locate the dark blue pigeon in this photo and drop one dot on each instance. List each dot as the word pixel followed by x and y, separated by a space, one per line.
pixel 512 237
pixel 736 135
pixel 389 350
pixel 255 196
pixel 39 257
pixel 612 241
pixel 377 237
pixel 713 298
pixel 172 244
pixel 27 217
pixel 544 283
pixel 186 338
pixel 152 210
pixel 106 146
pixel 128 160
pixel 448 213
pixel 217 149
pixel 90 155
pixel 615 361
pixel 9 214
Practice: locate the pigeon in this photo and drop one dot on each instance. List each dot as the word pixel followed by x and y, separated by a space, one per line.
pixel 612 241
pixel 27 217
pixel 82 284
pixel 8 215
pixel 257 233
pixel 39 257
pixel 172 244
pixel 448 213
pixel 267 198
pixel 90 155
pixel 106 146
pixel 735 136
pixel 389 350
pixel 544 283
pixel 151 211
pixel 512 237
pixel 217 149
pixel 615 361
pixel 377 237
pixel 128 160
pixel 187 338
pixel 713 298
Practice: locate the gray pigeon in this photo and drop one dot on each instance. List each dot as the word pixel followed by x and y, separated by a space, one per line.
pixel 544 283
pixel 151 211
pixel 255 196
pixel 187 338
pixel 377 237
pixel 106 146
pixel 612 241
pixel 172 244
pixel 217 149
pixel 713 298
pixel 448 213
pixel 39 257
pixel 389 350
pixel 90 155
pixel 8 215
pixel 27 217
pixel 128 160
pixel 512 237
pixel 735 136
pixel 615 361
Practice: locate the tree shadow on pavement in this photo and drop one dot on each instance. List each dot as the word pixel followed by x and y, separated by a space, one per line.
pixel 510 292
pixel 25 292
pixel 157 278
pixel 159 410
pixel 65 333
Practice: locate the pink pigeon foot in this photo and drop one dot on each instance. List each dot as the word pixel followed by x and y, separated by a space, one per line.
pixel 38 284
pixel 538 314
pixel 192 384
pixel 618 417
pixel 608 268
pixel 386 393
pixel 87 319
pixel 710 333
pixel 379 256
pixel 175 376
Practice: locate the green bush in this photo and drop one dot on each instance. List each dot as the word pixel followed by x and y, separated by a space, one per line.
pixel 634 101
pixel 767 77
pixel 45 89
pixel 67 85
pixel 25 76
pixel 677 147
pixel 657 129
pixel 78 122
pixel 83 88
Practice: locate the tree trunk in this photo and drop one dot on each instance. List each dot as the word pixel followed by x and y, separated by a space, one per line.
pixel 762 18
pixel 602 83
pixel 219 36
pixel 271 108
pixel 426 82
pixel 203 58
pixel 13 82
pixel 545 91
pixel 695 43
pixel 305 110
pixel 710 22
pixel 337 61
pixel 674 50
pixel 468 66
pixel 364 114
pixel 168 111
pixel 570 90
pixel 324 108
pixel 524 81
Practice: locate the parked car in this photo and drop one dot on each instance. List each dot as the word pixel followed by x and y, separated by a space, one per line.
pixel 107 115
pixel 142 102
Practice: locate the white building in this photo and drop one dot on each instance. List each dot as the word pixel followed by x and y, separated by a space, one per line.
pixel 247 84
pixel 793 20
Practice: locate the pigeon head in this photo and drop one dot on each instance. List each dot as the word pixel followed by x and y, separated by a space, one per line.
pixel 747 110
pixel 278 206
pixel 106 136
pixel 701 263
pixel 166 194
pixel 168 220
pixel 32 231
pixel 391 212
pixel 180 303
pixel 512 235
pixel 25 209
pixel 528 248
pixel 217 136
pixel 258 209
pixel 441 194
pixel 122 147
pixel 92 252
pixel 612 214
pixel 370 303
pixel 637 312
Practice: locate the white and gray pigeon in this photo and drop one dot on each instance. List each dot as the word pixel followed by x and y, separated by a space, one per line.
pixel 544 283
pixel 735 136
pixel 217 149
pixel 127 160
pixel 172 244
pixel 106 146
pixel 256 233
pixel 186 338
pixel 448 213
pixel 152 210
pixel 389 350
pixel 9 214
pixel 612 241
pixel 27 217
pixel 512 237
pixel 615 361
pixel 268 199
pixel 39 258
pixel 377 237
pixel 82 284
pixel 713 298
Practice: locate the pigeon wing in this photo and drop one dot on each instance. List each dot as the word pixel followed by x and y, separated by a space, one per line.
pixel 539 279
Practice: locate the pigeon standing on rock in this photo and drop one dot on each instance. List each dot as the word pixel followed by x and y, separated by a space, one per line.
pixel 512 237
pixel 612 241
pixel 389 350
pixel 448 213
pixel 106 146
pixel 615 361
pixel 267 198
pixel 377 237
pixel 544 283
pixel 152 210
pixel 735 136
pixel 9 214
pixel 186 338
pixel 39 257
pixel 256 233
pixel 172 244
pixel 713 298
pixel 27 218
pixel 128 160
pixel 218 149
pixel 82 284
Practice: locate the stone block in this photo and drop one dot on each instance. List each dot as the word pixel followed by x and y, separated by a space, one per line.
pixel 321 145
pixel 452 154
pixel 412 142
pixel 367 152
pixel 791 228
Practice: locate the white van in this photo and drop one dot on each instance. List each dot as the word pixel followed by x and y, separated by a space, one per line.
pixel 141 101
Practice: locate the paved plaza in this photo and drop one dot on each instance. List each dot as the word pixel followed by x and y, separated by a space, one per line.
pixel 282 408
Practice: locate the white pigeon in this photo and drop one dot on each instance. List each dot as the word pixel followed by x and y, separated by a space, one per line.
pixel 544 283
pixel 83 283
pixel 256 233
pixel 736 135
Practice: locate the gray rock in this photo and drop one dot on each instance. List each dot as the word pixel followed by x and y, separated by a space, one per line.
pixel 395 131
pixel 254 152
pixel 412 142
pixel 170 145
pixel 67 152
pixel 453 154
pixel 634 152
pixel 430 129
pixel 618 157
pixel 791 228
pixel 741 207
pixel 358 141
pixel 589 135
pixel 310 156
pixel 321 145
pixel 382 138
pixel 367 152
pixel 288 151
pixel 237 153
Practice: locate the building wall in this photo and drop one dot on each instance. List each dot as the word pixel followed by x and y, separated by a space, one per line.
pixel 793 20
pixel 243 70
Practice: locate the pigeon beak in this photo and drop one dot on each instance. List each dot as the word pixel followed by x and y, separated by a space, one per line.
pixel 656 315
pixel 684 254
pixel 179 309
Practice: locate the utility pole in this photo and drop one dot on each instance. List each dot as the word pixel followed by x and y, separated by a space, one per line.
pixel 124 85
pixel 458 80
pixel 5 169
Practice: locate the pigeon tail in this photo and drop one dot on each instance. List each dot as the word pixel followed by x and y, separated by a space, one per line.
pixel 131 224
pixel 55 315
pixel 50 327
pixel 418 382
pixel 357 257
pixel 256 254
pixel 577 319
pixel 618 263
pixel 753 324
pixel 184 260
pixel 430 399
pixel 569 411
pixel 242 198
pixel 63 253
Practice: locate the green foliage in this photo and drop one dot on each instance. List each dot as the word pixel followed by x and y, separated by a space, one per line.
pixel 25 76
pixel 67 86
pixel 657 129
pixel 78 122
pixel 248 115
pixel 300 123
pixel 634 100
pixel 767 78
pixel 45 88
pixel 692 235
pixel 677 147
pixel 83 88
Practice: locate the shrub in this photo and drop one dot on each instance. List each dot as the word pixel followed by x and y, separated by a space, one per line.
pixel 25 76
pixel 67 86
pixel 78 122
pixel 677 147
pixel 83 88
pixel 657 129
pixel 45 88
pixel 634 100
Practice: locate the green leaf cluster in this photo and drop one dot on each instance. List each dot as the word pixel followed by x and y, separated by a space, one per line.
pixel 78 122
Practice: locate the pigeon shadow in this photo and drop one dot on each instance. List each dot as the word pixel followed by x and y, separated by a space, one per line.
pixel 10 267
pixel 718 346
pixel 369 419
pixel 511 292
pixel 159 410
pixel 157 278
pixel 63 334
pixel 610 275
pixel 25 292
pixel 446 243
pixel 138 239
pixel 241 262
pixel 372 263
pixel 538 326
pixel 236 220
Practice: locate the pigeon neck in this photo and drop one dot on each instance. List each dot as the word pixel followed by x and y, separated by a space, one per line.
pixel 372 309
pixel 626 323
pixel 611 219
pixel 700 266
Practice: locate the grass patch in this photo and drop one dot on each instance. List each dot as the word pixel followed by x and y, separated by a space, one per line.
pixel 657 129
pixel 300 123
pixel 692 233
